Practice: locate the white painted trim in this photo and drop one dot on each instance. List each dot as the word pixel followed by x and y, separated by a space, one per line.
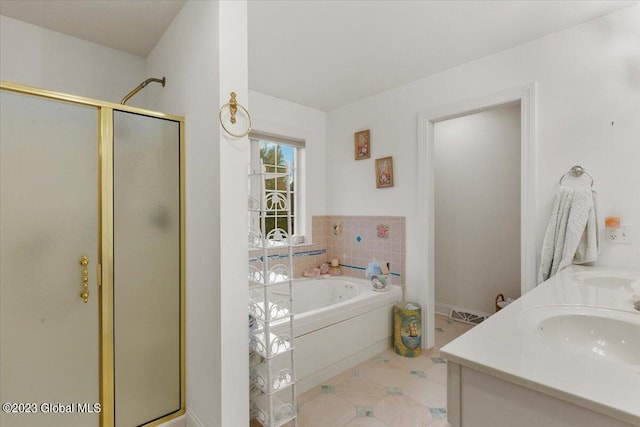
pixel 180 421
pixel 425 194
pixel 425 228
pixel 528 126
pixel 454 394
pixel 442 309
pixel 193 420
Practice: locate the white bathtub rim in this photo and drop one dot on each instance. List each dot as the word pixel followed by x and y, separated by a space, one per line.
pixel 313 320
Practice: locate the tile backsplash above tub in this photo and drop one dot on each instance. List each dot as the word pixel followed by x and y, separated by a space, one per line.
pixel 354 240
pixel 358 240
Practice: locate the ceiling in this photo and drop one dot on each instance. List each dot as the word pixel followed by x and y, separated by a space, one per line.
pixel 328 53
pixel 133 26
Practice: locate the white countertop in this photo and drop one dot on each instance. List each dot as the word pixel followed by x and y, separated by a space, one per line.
pixel 508 346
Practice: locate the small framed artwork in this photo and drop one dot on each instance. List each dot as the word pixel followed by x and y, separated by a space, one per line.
pixel 362 144
pixel 384 172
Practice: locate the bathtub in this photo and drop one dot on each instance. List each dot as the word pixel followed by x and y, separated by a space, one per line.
pixel 338 323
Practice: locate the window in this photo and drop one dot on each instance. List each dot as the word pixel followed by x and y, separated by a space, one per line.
pixel 276 153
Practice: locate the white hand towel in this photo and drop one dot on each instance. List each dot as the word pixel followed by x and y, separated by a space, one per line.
pixel 571 236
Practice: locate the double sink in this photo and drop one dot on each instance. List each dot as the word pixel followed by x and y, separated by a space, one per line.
pixel 607 334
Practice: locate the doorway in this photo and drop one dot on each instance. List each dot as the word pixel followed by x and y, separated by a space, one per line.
pixel 477 211
pixel 425 226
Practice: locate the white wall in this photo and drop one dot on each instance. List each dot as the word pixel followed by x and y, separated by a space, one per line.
pixel 587 77
pixel 193 91
pixel 477 203
pixel 285 118
pixel 203 54
pixel 34 56
pixel 234 257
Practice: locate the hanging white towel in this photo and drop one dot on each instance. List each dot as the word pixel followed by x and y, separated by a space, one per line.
pixel 571 236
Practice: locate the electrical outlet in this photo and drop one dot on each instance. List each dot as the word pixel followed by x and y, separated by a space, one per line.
pixel 621 234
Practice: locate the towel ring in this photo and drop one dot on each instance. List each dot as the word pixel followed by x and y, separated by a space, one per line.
pixel 233 109
pixel 577 172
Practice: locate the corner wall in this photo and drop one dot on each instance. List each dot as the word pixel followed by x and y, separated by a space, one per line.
pixel 203 54
pixel 587 77
pixel 35 56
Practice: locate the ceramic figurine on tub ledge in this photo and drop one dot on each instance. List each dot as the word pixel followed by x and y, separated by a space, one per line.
pixel 324 268
pixel 314 272
pixel 379 275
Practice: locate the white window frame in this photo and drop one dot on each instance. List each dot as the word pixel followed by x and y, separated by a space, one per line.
pixel 255 137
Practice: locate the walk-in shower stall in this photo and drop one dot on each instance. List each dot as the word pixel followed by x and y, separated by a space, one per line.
pixel 91 262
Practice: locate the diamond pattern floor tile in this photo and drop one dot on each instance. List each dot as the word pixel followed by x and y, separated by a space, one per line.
pixel 387 390
pixel 326 410
pixel 361 391
pixel 396 411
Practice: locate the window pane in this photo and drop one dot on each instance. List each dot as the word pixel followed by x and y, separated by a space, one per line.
pixel 282 223
pixel 287 154
pixel 276 157
pixel 282 184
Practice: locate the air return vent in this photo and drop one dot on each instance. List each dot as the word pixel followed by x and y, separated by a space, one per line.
pixel 466 317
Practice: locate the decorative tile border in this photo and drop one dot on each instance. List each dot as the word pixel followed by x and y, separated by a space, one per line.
pixel 363 269
pixel 277 257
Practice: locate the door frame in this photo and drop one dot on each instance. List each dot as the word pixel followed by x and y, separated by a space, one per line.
pixel 526 95
pixel 104 282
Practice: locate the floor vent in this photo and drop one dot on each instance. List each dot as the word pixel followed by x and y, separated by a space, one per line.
pixel 466 317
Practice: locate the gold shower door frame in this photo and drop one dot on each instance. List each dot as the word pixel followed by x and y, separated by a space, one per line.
pixel 106 243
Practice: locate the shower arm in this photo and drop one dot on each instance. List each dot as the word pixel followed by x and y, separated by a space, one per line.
pixel 139 88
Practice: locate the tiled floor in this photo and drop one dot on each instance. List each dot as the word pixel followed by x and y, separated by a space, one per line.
pixel 385 391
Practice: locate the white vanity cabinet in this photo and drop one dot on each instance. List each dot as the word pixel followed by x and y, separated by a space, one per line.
pixel 565 354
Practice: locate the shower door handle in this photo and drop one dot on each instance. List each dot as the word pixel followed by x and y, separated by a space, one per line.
pixel 84 293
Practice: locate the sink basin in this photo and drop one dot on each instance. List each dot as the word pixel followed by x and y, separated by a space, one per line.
pixel 614 281
pixel 617 283
pixel 600 334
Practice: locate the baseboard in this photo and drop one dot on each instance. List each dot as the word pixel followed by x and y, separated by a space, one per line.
pixel 318 377
pixel 180 421
pixel 443 309
pixel 193 420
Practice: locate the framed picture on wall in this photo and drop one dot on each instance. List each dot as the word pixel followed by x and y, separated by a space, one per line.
pixel 384 172
pixel 362 144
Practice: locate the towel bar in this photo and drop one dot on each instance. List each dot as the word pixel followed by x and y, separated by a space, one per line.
pixel 577 172
pixel 233 109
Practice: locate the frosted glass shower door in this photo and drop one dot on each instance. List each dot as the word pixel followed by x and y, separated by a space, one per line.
pixel 49 337
pixel 146 268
